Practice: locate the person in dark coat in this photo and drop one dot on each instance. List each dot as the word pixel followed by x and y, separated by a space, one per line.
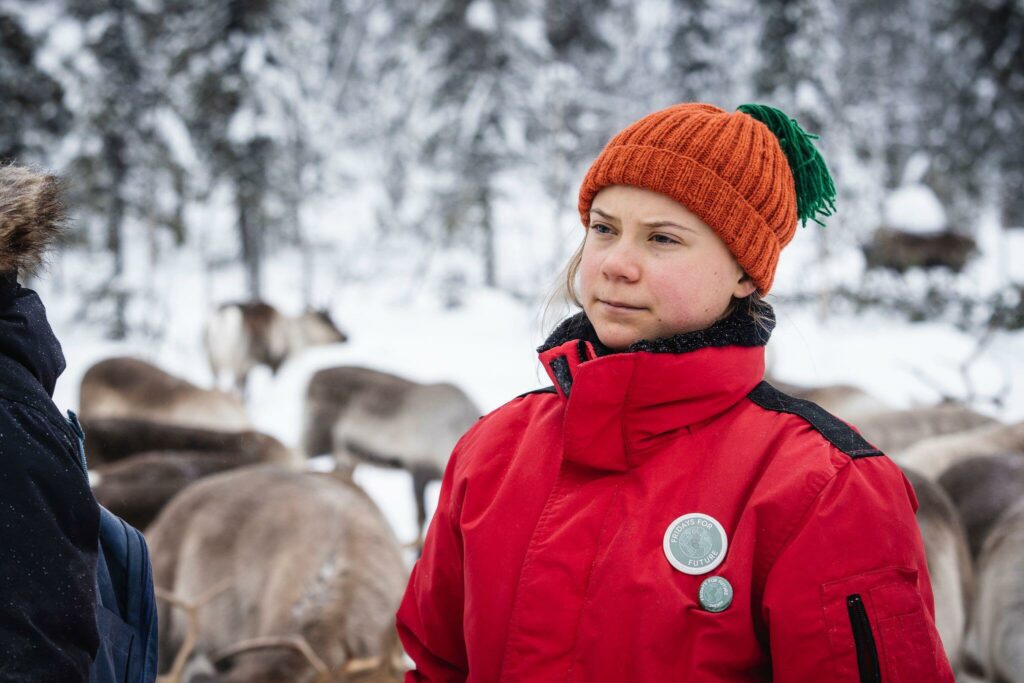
pixel 48 516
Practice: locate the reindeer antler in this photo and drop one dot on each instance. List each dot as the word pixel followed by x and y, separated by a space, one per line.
pixel 982 343
pixel 191 608
pixel 358 666
pixel 299 643
pixel 296 642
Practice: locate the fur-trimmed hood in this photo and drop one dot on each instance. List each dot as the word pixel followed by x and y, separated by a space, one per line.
pixel 31 217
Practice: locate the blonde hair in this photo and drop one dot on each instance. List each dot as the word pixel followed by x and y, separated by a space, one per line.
pixel 564 291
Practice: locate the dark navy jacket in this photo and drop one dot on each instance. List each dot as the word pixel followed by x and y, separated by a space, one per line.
pixel 49 519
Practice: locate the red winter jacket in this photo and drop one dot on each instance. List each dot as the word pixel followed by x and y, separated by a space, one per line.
pixel 548 555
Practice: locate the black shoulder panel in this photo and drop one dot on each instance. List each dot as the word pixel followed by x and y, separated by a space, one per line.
pixel 840 434
pixel 546 390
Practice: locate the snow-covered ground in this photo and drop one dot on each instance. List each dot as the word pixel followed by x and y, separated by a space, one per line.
pixel 487 344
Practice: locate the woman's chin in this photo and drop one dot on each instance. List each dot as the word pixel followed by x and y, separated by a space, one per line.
pixel 616 337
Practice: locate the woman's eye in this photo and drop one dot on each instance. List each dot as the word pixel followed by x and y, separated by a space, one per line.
pixel 600 228
pixel 664 239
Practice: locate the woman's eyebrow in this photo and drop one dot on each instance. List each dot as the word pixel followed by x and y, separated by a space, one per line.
pixel 650 224
pixel 670 224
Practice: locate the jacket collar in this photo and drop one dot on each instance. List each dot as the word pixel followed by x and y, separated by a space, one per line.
pixel 621 406
pixel 25 335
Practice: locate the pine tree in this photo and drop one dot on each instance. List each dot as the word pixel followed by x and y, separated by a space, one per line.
pixel 34 112
pixel 483 65
pixel 119 153
pixel 976 102
pixel 712 47
pixel 214 57
pixel 799 58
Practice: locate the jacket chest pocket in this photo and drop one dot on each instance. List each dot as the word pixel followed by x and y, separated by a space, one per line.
pixel 880 629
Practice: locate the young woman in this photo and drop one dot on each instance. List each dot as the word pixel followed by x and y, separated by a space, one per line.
pixel 661 513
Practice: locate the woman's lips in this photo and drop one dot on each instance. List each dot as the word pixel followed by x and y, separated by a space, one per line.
pixel 619 306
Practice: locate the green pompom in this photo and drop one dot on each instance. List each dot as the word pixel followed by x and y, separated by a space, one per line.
pixel 815 191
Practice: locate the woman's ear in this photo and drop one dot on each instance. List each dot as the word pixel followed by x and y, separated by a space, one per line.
pixel 744 287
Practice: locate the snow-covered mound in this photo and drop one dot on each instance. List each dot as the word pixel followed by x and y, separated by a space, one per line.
pixel 914 209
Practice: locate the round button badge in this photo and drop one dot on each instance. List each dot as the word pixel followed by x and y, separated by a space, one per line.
pixel 695 543
pixel 715 593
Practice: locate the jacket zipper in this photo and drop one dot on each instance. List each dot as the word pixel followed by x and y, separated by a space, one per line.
pixel 867 654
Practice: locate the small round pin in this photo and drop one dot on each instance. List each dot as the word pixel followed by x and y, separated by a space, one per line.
pixel 715 594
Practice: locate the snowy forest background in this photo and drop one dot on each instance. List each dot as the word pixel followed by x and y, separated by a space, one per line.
pixel 413 166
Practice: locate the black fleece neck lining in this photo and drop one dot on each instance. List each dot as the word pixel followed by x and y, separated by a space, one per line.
pixel 738 329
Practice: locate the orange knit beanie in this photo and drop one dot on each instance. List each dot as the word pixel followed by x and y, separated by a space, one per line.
pixel 749 174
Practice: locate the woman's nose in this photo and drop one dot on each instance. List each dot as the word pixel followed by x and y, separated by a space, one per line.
pixel 621 263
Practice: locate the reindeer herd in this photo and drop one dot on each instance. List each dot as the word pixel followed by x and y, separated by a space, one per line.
pixel 266 570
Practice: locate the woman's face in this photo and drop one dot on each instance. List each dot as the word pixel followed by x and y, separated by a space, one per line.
pixel 652 269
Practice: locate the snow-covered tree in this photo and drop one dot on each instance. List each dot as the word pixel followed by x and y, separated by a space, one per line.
pixel 117 156
pixel 34 112
pixel 485 59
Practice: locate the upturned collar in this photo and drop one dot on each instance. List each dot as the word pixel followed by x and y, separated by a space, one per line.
pixel 621 406
pixel 737 329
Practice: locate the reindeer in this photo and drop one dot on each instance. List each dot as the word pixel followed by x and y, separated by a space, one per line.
pixel 240 336
pixel 843 400
pixel 899 251
pixel 132 388
pixel 898 429
pixel 288 576
pixel 982 489
pixel 931 457
pixel 888 429
pixel 138 487
pixel 949 563
pixel 364 415
pixel 996 638
pixel 111 439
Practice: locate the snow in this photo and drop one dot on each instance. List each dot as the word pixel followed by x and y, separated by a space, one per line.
pixel 916 168
pixel 482 16
pixel 914 209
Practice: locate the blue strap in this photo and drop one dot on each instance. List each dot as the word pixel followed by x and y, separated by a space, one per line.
pixel 126 613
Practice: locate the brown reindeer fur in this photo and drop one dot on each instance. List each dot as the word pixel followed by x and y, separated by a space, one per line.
pixel 949 563
pixel 847 402
pixel 138 487
pixel 128 387
pixel 900 251
pixel 982 489
pixel 996 639
pixel 300 554
pixel 934 456
pixel 240 336
pixel 363 415
pixel 108 439
pixel 895 430
pixel 331 391
pixel 31 218
pixel 259 318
